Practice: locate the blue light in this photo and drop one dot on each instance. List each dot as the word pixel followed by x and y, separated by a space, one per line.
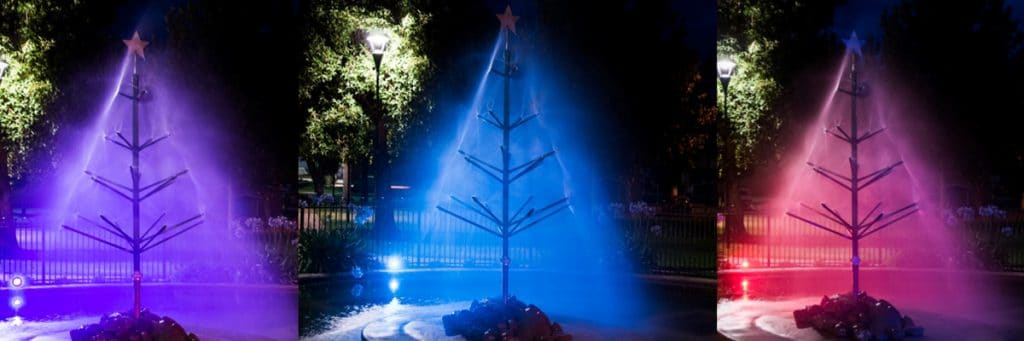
pixel 17 302
pixel 357 290
pixel 393 285
pixel 357 272
pixel 394 263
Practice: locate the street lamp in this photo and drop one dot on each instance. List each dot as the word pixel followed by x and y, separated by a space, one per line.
pixel 3 68
pixel 726 67
pixel 378 44
pixel 725 70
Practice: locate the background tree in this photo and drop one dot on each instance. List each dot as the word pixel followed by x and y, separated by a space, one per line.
pixel 54 48
pixel 29 31
pixel 336 85
pixel 776 45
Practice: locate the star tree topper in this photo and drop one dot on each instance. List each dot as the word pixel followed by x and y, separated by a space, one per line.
pixel 853 44
pixel 507 19
pixel 136 45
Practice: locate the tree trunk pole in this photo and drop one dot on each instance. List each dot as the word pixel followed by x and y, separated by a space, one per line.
pixel 505 132
pixel 854 183
pixel 136 192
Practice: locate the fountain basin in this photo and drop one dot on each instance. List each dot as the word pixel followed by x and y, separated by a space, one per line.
pixel 758 304
pixel 211 311
pixel 588 306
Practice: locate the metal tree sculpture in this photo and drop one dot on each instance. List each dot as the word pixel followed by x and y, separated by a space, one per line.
pixel 504 225
pixel 856 227
pixel 137 242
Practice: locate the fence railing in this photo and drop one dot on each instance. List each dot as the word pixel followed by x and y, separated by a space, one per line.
pixel 50 255
pixel 429 238
pixel 698 243
pixel 764 241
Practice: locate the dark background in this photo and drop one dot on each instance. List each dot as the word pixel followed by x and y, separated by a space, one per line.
pixel 239 62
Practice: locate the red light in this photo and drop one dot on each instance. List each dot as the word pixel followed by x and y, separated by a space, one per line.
pixel 745 264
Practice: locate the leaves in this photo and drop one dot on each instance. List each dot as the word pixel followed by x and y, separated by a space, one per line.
pixel 773 43
pixel 27 87
pixel 336 86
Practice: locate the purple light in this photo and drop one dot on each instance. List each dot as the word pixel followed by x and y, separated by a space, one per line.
pixel 17 282
pixel 17 302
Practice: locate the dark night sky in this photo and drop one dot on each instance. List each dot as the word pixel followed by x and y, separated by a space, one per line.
pixel 863 16
pixel 697 16
pixel 700 21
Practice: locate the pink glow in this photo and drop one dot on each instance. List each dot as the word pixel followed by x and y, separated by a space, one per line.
pixel 923 240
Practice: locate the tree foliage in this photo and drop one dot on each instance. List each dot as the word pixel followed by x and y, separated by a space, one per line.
pixel 336 85
pixel 27 89
pixel 773 43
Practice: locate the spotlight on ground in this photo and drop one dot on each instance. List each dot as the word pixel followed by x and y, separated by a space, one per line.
pixel 393 285
pixel 17 302
pixel 394 263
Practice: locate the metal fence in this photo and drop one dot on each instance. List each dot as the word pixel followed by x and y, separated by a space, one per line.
pixel 697 243
pixel 764 241
pixel 50 255
pixel 429 238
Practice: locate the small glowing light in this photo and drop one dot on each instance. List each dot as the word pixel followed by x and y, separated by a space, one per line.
pixel 378 43
pixel 393 285
pixel 17 282
pixel 357 290
pixel 725 68
pixel 746 285
pixel 744 264
pixel 400 187
pixel 17 302
pixel 357 272
pixel 394 263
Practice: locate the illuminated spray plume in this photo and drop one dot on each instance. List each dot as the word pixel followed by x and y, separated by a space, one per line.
pixel 856 225
pixel 502 224
pixel 136 241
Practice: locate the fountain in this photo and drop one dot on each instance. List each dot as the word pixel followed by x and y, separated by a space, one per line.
pixel 507 317
pixel 850 247
pixel 135 242
pixel 125 235
pixel 496 217
pixel 856 314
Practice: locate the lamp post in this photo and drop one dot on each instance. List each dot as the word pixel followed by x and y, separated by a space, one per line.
pixel 725 68
pixel 378 44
